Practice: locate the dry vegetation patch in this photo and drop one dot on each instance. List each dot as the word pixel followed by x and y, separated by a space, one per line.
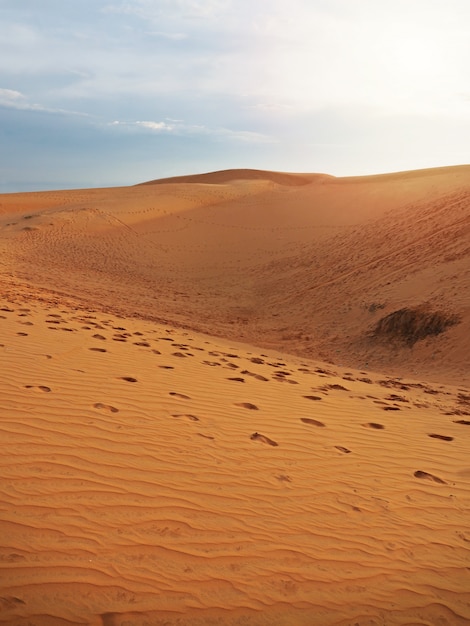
pixel 409 325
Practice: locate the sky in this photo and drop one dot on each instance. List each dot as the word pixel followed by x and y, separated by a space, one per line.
pixel 98 93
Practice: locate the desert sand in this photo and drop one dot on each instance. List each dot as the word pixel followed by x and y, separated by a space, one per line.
pixel 238 398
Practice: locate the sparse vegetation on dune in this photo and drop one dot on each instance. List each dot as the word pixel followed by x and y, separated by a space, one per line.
pixel 411 324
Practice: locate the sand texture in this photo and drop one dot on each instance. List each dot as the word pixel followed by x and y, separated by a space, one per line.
pixel 211 412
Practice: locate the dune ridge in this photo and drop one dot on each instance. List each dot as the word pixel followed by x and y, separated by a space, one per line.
pixel 229 176
pixel 177 449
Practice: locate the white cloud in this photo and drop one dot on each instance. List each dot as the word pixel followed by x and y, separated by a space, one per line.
pixel 12 99
pixel 167 35
pixel 179 127
pixel 150 10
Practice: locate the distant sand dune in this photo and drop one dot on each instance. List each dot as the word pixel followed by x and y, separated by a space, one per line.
pixel 228 176
pixel 233 402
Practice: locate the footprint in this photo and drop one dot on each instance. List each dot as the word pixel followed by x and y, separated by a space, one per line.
pixel 22 334
pixel 465 422
pixel 192 418
pixel 128 379
pixel 99 337
pixel 10 602
pixel 97 349
pixel 313 398
pixel 106 407
pixel 391 408
pixel 374 425
pixel 263 439
pixel 42 388
pixel 342 449
pixel 443 437
pixel 426 476
pixel 144 344
pixel 238 380
pixel 309 420
pixel 166 367
pixel 336 387
pixel 179 395
pixel 247 405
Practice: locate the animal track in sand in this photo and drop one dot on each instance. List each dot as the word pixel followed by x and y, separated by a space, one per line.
pixel 263 439
pixel 175 394
pixel 144 344
pixel 98 349
pixel 238 380
pixel 443 437
pixel 247 405
pixel 99 337
pixel 42 388
pixel 343 449
pixel 22 334
pixel 309 420
pixel 128 379
pixel 105 407
pixel 313 397
pixel 427 476
pixel 391 408
pixel 464 422
pixel 374 425
pixel 192 418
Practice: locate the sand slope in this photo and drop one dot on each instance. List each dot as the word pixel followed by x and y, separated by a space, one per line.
pixel 155 476
pixel 174 450
pixel 306 268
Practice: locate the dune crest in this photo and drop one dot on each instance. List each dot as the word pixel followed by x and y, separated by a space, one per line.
pixel 230 176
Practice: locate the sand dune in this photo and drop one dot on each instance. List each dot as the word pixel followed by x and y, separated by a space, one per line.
pixel 176 449
pixel 309 269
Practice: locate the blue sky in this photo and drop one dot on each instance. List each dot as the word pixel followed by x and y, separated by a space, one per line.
pixel 116 92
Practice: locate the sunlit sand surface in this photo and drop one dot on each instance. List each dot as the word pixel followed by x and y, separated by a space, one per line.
pixel 203 419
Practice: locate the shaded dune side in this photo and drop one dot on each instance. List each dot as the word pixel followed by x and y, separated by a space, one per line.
pixel 227 176
pixel 124 503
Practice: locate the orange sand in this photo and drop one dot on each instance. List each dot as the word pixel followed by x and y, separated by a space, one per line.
pixel 158 468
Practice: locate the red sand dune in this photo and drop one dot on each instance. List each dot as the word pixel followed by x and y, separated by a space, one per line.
pixel 237 398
